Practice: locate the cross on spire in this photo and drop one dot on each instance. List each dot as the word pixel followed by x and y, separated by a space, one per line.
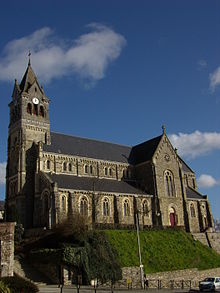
pixel 29 58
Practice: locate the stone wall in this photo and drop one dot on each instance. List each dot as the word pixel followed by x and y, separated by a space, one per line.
pixel 214 240
pixel 131 277
pixel 6 249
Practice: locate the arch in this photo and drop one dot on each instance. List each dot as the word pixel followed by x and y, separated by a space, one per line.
pixel 41 112
pixel 172 217
pixel 35 110
pixel 110 171
pixel 48 164
pixel 64 166
pixel 192 210
pixel 106 171
pixel 83 206
pixel 169 183
pixel 29 108
pixel 90 169
pixel 145 208
pixel 86 169
pixel 70 167
pixel 106 207
pixel 126 207
pixel 63 203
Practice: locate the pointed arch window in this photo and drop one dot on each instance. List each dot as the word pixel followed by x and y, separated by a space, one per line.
pixel 29 108
pixel 63 203
pixel 106 207
pixel 169 184
pixel 84 206
pixel 126 208
pixel 91 169
pixel 106 171
pixel 86 169
pixel 48 165
pixel 192 210
pixel 35 110
pixel 70 167
pixel 64 166
pixel 41 113
pixel 145 208
pixel 110 172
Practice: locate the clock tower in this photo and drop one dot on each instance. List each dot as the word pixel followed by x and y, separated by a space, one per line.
pixel 28 127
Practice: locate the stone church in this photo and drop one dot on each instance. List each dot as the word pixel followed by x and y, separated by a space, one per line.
pixel 51 176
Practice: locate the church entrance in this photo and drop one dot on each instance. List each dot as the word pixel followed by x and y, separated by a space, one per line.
pixel 172 215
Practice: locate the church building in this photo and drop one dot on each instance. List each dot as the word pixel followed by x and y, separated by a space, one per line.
pixel 52 176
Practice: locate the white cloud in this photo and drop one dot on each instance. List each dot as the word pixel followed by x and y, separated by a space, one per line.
pixel 195 144
pixel 88 56
pixel 2 173
pixel 207 181
pixel 214 79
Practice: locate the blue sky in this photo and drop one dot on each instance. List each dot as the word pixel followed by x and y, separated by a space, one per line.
pixel 118 70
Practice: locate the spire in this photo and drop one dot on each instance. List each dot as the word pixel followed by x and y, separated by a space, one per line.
pixel 163 127
pixel 29 58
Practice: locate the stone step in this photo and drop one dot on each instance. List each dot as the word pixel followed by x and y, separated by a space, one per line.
pixel 201 237
pixel 24 269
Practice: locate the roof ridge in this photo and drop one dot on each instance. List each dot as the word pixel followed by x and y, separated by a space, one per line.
pixel 91 139
pixel 142 143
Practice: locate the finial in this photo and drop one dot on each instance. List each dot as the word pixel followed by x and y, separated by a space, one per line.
pixel 163 127
pixel 29 58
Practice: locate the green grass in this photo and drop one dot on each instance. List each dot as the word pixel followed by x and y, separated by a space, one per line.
pixel 162 250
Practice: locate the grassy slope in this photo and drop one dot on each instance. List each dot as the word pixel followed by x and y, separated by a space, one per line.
pixel 162 250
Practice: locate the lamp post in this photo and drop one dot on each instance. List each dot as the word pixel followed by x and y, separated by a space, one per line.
pixel 139 252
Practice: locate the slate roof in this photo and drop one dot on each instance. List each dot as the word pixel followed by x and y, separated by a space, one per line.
pixel 193 194
pixel 144 152
pixel 90 184
pixel 84 147
pixel 89 148
pixel 185 167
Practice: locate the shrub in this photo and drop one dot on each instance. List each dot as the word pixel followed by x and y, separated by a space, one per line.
pixel 4 288
pixel 16 284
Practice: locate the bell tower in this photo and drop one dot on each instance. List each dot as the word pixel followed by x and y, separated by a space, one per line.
pixel 28 126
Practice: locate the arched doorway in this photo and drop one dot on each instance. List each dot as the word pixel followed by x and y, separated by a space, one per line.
pixel 172 216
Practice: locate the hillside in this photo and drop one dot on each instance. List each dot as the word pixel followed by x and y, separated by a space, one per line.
pixel 162 250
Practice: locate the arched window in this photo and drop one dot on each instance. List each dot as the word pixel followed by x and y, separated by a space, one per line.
pixel 192 210
pixel 106 207
pixel 110 171
pixel 35 110
pixel 169 184
pixel 48 165
pixel 91 169
pixel 145 208
pixel 126 208
pixel 29 108
pixel 106 171
pixel 41 113
pixel 173 217
pixel 86 169
pixel 70 167
pixel 84 206
pixel 63 203
pixel 64 166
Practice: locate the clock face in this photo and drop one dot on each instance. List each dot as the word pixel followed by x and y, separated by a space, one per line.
pixel 35 101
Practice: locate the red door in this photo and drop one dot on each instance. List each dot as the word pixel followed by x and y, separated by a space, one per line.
pixel 172 219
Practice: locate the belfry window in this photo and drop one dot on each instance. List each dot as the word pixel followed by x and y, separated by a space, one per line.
pixel 106 171
pixel 70 167
pixel 41 113
pixel 64 166
pixel 86 169
pixel 110 172
pixel 84 206
pixel 91 169
pixel 35 110
pixel 29 108
pixel 169 184
pixel 126 208
pixel 105 207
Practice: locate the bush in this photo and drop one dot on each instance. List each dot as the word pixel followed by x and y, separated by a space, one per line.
pixel 16 284
pixel 4 288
